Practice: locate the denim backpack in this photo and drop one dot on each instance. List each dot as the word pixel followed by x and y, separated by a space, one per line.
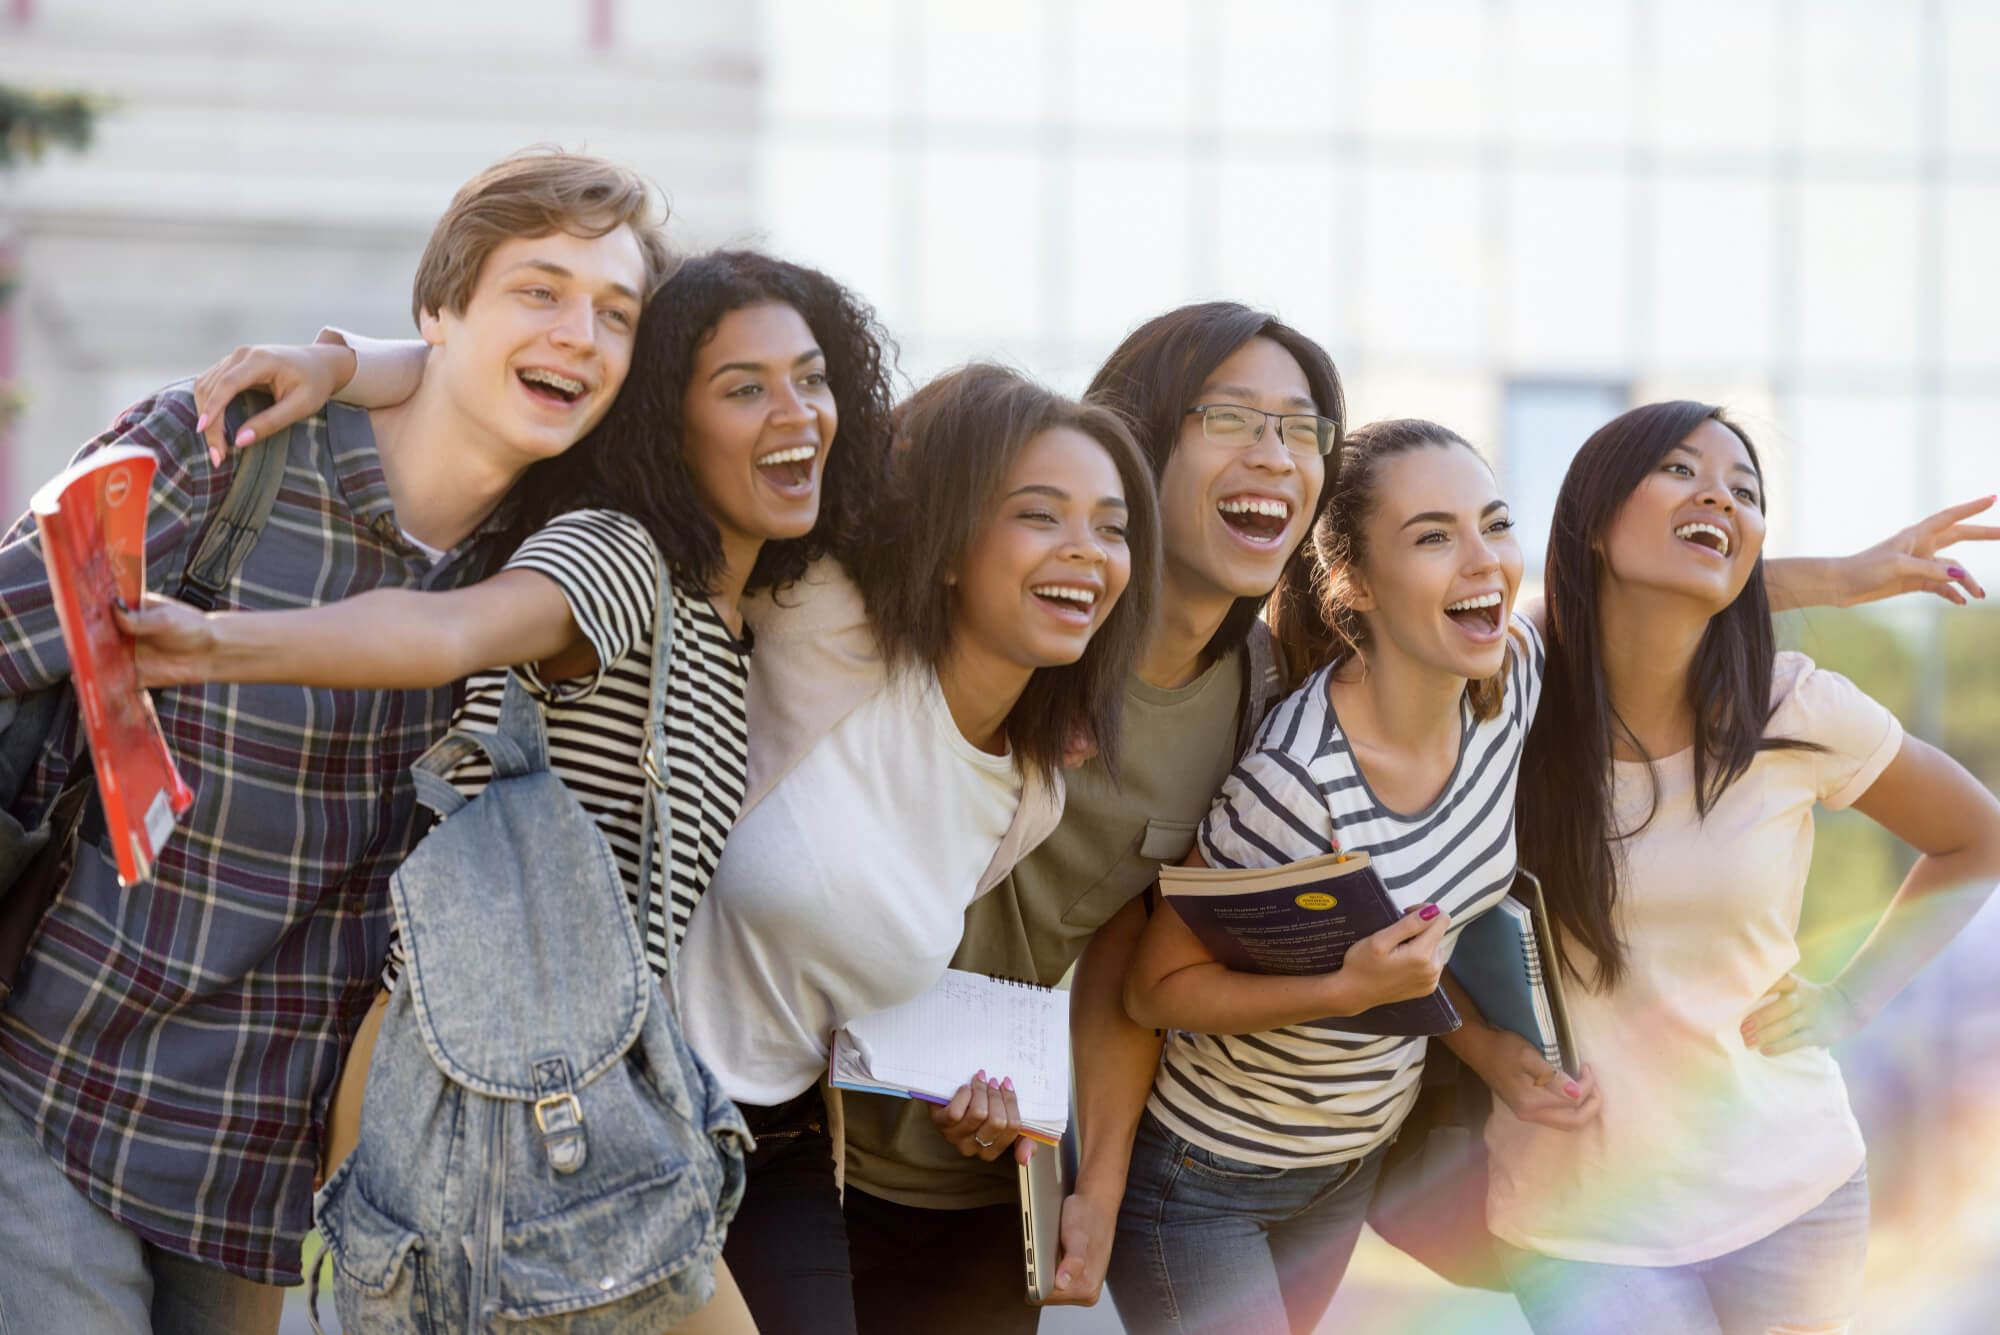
pixel 540 1150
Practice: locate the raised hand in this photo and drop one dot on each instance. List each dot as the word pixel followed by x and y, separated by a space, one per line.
pixel 1907 561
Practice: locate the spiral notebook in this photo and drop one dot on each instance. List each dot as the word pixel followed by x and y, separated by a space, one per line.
pixel 1505 961
pixel 967 1022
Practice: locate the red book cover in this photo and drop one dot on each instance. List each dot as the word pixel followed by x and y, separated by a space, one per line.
pixel 93 523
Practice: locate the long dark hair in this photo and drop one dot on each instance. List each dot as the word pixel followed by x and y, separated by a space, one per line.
pixel 632 461
pixel 1311 617
pixel 955 440
pixel 1565 809
pixel 1155 374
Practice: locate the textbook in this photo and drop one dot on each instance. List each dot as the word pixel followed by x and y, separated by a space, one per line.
pixel 1505 960
pixel 930 1045
pixel 92 519
pixel 1301 919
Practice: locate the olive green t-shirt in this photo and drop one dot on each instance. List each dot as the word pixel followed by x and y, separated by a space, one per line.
pixel 1177 748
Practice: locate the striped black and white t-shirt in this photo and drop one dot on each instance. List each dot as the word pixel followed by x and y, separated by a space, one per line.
pixel 605 563
pixel 1308 1094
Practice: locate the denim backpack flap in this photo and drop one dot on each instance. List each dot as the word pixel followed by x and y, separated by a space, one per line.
pixel 539 1147
pixel 560 944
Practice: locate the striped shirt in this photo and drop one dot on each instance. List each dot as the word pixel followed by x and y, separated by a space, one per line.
pixel 605 563
pixel 1310 1094
pixel 174 1046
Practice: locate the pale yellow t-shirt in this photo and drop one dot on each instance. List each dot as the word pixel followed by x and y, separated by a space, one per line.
pixel 1704 1145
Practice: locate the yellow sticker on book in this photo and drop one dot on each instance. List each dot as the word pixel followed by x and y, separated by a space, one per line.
pixel 1314 899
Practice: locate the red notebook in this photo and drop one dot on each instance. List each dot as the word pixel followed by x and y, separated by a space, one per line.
pixel 93 523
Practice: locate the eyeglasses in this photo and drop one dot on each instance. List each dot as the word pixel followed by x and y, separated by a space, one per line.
pixel 1240 427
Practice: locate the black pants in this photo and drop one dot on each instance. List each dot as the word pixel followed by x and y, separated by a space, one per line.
pixel 955 1271
pixel 787 1246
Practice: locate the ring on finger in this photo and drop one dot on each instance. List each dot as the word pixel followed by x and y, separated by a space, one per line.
pixel 981 1142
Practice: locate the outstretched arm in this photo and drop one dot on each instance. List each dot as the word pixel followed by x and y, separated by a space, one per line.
pixel 385 639
pixel 1926 799
pixel 1906 561
pixel 301 378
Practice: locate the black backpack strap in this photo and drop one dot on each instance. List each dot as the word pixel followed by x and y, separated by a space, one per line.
pixel 1262 683
pixel 238 522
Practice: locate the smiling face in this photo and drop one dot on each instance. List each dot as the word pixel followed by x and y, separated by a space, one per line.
pixel 1230 516
pixel 1695 525
pixel 1051 560
pixel 1441 564
pixel 759 417
pixel 544 341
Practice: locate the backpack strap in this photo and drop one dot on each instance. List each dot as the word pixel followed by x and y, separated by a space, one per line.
pixel 657 823
pixel 238 523
pixel 1262 683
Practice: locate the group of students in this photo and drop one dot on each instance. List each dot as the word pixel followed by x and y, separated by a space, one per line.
pixel 950 679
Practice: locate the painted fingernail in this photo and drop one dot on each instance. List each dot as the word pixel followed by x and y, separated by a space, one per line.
pixel 1571 1088
pixel 1008 1083
pixel 201 423
pixel 979 1075
pixel 1954 572
pixel 245 437
pixel 1427 912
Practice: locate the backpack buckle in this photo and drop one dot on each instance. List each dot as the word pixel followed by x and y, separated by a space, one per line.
pixel 544 1106
pixel 559 1117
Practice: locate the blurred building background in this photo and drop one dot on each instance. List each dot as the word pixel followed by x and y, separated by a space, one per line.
pixel 1515 216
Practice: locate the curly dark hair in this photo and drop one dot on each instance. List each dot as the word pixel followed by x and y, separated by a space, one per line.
pixel 620 464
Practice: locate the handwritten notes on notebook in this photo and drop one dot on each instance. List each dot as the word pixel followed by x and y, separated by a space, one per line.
pixel 930 1045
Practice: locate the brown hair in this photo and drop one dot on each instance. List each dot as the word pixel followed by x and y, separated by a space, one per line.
pixel 1311 616
pixel 536 192
pixel 955 440
pixel 1154 376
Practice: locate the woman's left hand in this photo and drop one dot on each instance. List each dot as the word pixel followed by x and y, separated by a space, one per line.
pixel 1908 562
pixel 1799 1013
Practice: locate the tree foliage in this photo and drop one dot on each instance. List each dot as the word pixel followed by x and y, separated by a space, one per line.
pixel 31 120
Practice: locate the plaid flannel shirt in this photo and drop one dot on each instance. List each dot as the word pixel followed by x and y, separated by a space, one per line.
pixel 175 1045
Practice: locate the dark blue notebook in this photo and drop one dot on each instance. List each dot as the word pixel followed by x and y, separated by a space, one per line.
pixel 1300 919
pixel 1505 961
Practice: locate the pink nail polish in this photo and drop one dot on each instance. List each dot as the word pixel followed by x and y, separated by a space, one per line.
pixel 245 437
pixel 980 1074
pixel 1427 912
pixel 1571 1088
pixel 1954 572
pixel 201 423
pixel 1008 1083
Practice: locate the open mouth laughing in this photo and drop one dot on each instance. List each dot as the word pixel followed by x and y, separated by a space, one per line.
pixel 791 469
pixel 1073 603
pixel 1260 520
pixel 551 386
pixel 1704 535
pixel 1478 615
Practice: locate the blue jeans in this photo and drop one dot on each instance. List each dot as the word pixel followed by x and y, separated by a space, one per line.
pixel 69 1266
pixel 1806 1277
pixel 1210 1243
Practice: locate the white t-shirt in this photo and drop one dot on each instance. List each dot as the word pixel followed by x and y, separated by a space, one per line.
pixel 843 891
pixel 1310 1094
pixel 1704 1145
